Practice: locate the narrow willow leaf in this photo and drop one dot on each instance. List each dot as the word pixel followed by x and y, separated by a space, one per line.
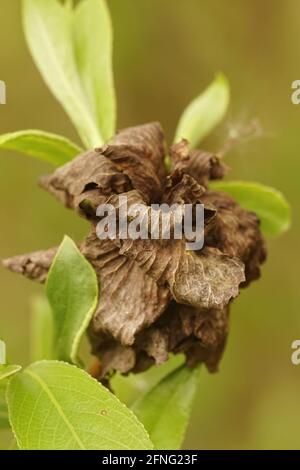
pixel 8 370
pixel 269 204
pixel 41 329
pixel 204 113
pixel 94 61
pixel 42 145
pixel 49 34
pixel 56 406
pixel 129 388
pixel 165 410
pixel 72 291
pixel 4 421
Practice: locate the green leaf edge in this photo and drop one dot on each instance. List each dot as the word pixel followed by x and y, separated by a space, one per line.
pixel 136 404
pixel 73 352
pixel 74 10
pixel 221 78
pixel 5 138
pixel 221 186
pixel 83 372
pixel 40 319
pixel 16 369
pixel 94 137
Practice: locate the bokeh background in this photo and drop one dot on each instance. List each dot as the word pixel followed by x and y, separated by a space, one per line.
pixel 166 52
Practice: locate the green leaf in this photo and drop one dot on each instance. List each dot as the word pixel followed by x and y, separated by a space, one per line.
pixel 94 61
pixel 48 147
pixel 56 406
pixel 165 410
pixel 8 370
pixel 72 290
pixel 41 326
pixel 204 113
pixel 4 421
pixel 49 32
pixel 269 204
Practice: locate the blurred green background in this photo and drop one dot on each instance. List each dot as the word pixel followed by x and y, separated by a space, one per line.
pixel 166 52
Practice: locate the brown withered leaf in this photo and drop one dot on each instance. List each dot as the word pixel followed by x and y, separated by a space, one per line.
pixel 134 159
pixel 207 279
pixel 139 153
pixel 139 169
pixel 112 355
pixel 199 334
pixel 87 203
pixel 182 188
pixel 34 266
pixel 201 165
pixel 236 233
pixel 130 300
pixel 156 296
pixel 150 138
pixel 210 328
pixel 90 171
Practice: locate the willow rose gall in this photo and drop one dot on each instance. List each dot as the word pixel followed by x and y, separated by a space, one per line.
pixel 156 296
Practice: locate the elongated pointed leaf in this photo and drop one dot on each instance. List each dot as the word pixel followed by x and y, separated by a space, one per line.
pixel 49 33
pixel 204 113
pixel 56 406
pixel 72 291
pixel 8 370
pixel 94 61
pixel 41 329
pixel 42 145
pixel 165 410
pixel 4 421
pixel 269 204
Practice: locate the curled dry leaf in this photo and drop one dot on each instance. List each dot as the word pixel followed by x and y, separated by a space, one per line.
pixel 34 266
pixel 113 169
pixel 130 299
pixel 156 296
pixel 207 279
pixel 203 166
pixel 236 232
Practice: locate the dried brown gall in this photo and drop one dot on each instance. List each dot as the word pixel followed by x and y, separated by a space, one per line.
pixel 156 297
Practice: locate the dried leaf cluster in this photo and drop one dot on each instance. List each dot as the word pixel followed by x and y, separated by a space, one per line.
pixel 156 297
